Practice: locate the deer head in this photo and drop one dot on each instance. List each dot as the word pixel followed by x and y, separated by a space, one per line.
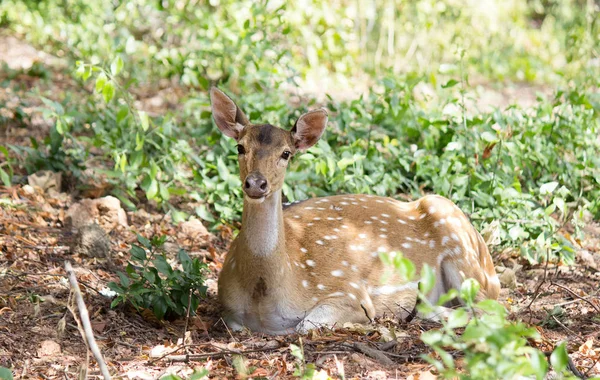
pixel 264 150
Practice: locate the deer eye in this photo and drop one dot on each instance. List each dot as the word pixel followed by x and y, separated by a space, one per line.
pixel 286 155
pixel 241 149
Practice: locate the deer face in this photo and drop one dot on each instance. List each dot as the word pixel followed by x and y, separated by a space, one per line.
pixel 264 151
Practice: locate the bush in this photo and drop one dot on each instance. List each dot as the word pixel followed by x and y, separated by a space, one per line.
pixel 150 282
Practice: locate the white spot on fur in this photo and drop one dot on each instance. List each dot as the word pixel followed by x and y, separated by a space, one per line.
pixel 368 222
pixel 317 218
pixel 445 240
pixel 406 245
pixel 321 287
pixel 391 289
pixel 337 273
pixel 354 268
pixel 431 243
pixel 303 250
pixel 354 285
pixel 336 294
pixel 432 210
pixel 385 215
pixel 297 216
pixel 454 237
pixel 309 208
pixel 305 283
pixel 320 242
pixel 344 226
pixel 344 263
pixel 401 221
pixel 352 296
pixel 383 236
pixel 411 217
pixel 362 236
pixel 310 263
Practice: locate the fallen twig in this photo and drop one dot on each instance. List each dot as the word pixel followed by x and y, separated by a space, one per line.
pixel 376 354
pixel 87 333
pixel 576 295
pixel 187 357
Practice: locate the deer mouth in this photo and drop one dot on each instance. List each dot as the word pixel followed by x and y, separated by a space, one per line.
pixel 255 199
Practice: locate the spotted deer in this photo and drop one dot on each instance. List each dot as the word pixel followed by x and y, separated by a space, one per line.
pixel 316 263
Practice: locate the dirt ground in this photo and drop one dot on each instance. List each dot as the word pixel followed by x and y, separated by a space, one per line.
pixel 39 338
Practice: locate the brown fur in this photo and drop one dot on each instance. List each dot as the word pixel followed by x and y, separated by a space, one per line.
pixel 317 262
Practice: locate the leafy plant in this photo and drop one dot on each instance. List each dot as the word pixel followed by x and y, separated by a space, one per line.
pixel 303 370
pixel 479 334
pixel 5 374
pixel 151 282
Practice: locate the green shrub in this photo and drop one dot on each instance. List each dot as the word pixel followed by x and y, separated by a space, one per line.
pixel 150 282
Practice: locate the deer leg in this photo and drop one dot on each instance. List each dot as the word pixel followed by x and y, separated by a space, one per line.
pixel 334 311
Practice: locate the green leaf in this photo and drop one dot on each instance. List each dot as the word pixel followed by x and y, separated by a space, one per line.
pixel 152 189
pixel 450 83
pixel 100 82
pixel 59 127
pixel 124 279
pixel 199 373
pixel 427 279
pixel 138 253
pixel 5 374
pixel 160 262
pixel 539 364
pixel 108 92
pixel 116 66
pixel 297 352
pixel 202 212
pixel 144 120
pixel 5 177
pixel 559 358
pixel 548 188
pixel 469 290
pixel 458 318
pixel 143 241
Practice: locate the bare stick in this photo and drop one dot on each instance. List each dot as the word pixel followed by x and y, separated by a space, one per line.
pixel 576 295
pixel 378 355
pixel 88 334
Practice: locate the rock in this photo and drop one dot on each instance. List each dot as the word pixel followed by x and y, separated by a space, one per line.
pixel 28 189
pixel 193 228
pixel 46 180
pixel 48 348
pixel 587 259
pixel 508 278
pixel 91 241
pixel 106 212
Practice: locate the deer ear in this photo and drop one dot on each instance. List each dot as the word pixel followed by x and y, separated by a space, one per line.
pixel 309 128
pixel 229 118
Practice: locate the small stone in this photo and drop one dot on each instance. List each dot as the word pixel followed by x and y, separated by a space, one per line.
pixel 91 241
pixel 587 258
pixel 193 228
pixel 46 180
pixel 508 278
pixel 106 212
pixel 28 189
pixel 48 348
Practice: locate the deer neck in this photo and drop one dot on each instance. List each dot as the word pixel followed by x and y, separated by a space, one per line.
pixel 262 226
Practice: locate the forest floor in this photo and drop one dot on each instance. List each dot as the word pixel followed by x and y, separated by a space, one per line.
pixel 39 337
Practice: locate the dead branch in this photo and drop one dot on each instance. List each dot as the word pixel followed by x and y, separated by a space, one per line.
pixel 380 356
pixel 188 357
pixel 576 295
pixel 87 333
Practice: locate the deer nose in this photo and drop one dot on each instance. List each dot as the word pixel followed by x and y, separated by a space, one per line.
pixel 255 185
